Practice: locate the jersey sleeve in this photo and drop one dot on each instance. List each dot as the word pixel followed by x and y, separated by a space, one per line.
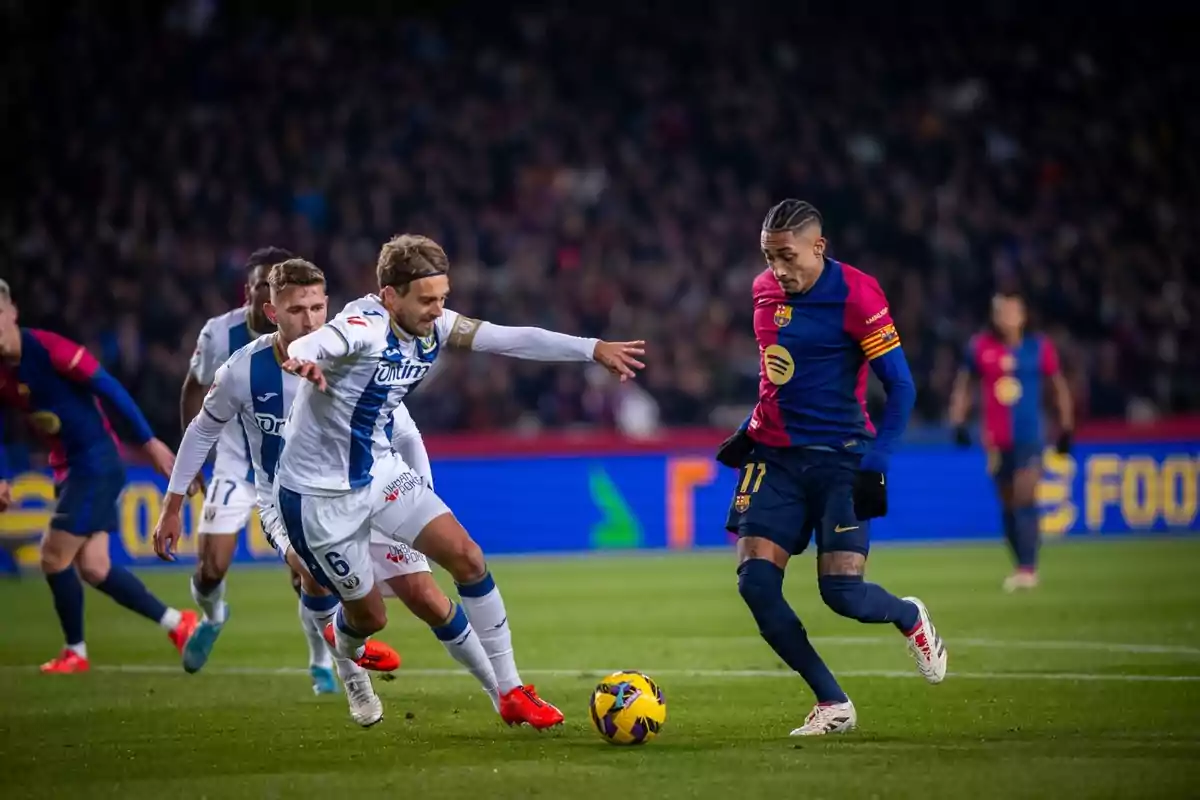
pixel 221 403
pixel 360 330
pixel 457 330
pixel 69 359
pixel 206 358
pixel 1048 361
pixel 867 319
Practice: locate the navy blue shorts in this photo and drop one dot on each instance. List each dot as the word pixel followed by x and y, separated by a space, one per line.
pixel 87 501
pixel 1003 464
pixel 785 494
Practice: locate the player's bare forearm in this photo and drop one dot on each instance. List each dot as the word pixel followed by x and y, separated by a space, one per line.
pixel 1062 399
pixel 191 399
pixel 960 398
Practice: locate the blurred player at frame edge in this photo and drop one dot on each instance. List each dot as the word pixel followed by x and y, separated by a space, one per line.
pixel 1011 363
pixel 807 458
pixel 55 384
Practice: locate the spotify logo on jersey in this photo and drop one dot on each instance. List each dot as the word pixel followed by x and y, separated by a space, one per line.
pixel 779 365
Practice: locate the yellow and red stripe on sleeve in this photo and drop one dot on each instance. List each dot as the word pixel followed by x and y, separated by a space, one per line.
pixel 884 340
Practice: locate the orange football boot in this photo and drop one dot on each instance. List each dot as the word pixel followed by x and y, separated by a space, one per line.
pixel 67 662
pixel 522 705
pixel 188 620
pixel 376 656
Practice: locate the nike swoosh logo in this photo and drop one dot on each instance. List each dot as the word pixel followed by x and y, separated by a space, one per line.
pixel 840 529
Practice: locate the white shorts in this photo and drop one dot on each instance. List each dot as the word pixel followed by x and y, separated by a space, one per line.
pixel 389 559
pixel 227 505
pixel 333 535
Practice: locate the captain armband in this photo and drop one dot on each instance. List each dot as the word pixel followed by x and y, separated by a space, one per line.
pixel 462 335
pixel 882 341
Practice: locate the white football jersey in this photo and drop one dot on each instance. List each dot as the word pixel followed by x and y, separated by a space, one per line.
pixel 335 437
pixel 220 337
pixel 252 387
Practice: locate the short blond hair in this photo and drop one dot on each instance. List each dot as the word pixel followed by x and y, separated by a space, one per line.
pixel 295 272
pixel 410 257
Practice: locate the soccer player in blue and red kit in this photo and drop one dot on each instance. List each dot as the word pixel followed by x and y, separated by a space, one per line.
pixel 810 458
pixel 54 384
pixel 1013 367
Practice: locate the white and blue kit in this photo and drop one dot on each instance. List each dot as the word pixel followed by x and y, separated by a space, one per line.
pixel 230 496
pixel 252 391
pixel 339 477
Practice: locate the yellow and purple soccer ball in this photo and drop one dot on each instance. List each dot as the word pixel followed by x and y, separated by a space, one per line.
pixel 627 707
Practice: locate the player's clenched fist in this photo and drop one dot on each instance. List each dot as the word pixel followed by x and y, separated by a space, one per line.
pixel 620 358
pixel 309 370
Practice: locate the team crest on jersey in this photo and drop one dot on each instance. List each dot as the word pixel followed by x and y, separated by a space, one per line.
pixel 783 316
pixel 351 583
pixel 741 502
pixel 427 347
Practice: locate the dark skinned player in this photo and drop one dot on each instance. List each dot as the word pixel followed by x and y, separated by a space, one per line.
pixel 811 460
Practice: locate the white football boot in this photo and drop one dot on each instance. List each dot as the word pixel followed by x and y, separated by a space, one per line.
pixel 926 646
pixel 829 718
pixel 365 706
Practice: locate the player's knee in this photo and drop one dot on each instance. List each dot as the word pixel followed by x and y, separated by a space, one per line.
pixel 94 572
pixel 466 563
pixel 760 583
pixel 844 594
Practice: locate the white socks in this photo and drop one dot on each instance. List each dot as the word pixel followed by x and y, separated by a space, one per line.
pixel 485 610
pixel 171 618
pixel 465 647
pixel 312 622
pixel 212 604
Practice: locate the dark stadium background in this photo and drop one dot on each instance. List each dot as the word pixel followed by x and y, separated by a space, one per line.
pixel 602 169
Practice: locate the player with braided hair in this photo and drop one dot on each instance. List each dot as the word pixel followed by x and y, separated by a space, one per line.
pixel 810 458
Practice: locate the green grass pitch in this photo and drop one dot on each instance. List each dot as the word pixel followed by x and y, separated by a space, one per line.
pixel 1088 687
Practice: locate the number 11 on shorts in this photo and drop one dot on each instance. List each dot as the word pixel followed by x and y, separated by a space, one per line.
pixel 753 472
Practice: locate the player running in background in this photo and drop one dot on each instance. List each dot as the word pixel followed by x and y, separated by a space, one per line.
pixel 54 384
pixel 339 477
pixel 1011 366
pixel 252 386
pixel 231 494
pixel 810 459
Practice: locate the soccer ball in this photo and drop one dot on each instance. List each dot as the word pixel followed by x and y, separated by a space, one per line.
pixel 627 707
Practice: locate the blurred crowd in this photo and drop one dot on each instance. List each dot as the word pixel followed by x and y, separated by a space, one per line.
pixel 605 173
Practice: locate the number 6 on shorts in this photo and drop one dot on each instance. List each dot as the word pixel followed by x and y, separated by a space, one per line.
pixel 336 563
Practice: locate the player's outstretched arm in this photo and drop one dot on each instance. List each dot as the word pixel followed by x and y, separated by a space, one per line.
pixel 74 362
pixel 539 344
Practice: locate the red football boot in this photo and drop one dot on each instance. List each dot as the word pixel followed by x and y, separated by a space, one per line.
pixel 522 705
pixel 188 620
pixel 67 662
pixel 377 656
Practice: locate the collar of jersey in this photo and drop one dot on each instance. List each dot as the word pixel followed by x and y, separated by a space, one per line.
pixel 280 356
